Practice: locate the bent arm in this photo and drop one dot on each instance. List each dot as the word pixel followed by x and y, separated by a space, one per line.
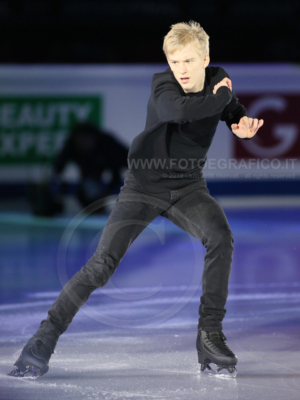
pixel 172 106
pixel 233 112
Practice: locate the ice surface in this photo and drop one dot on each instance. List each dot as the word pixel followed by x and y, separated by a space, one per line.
pixel 95 361
pixel 135 339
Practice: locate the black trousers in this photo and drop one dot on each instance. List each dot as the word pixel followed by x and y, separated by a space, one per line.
pixel 193 210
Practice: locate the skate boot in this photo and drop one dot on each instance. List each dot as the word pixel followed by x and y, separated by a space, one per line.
pixel 212 349
pixel 33 361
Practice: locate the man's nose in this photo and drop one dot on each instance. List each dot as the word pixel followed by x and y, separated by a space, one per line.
pixel 182 68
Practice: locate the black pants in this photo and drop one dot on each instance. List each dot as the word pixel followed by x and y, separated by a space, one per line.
pixel 193 210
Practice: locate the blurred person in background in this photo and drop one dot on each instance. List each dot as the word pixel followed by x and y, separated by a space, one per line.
pixel 101 160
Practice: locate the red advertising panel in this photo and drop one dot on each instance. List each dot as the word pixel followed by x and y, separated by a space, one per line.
pixel 279 137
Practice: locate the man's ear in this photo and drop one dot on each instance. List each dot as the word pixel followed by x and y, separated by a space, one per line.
pixel 206 61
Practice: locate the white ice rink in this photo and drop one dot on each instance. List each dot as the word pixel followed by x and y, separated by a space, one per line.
pixel 139 343
pixel 92 361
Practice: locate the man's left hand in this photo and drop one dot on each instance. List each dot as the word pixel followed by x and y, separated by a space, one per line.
pixel 247 127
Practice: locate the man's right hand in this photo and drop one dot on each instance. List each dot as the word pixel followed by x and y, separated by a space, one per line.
pixel 224 82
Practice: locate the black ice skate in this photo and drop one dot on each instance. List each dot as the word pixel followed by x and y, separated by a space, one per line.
pixel 33 361
pixel 211 348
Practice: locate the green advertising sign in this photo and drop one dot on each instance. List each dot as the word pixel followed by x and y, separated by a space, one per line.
pixel 33 128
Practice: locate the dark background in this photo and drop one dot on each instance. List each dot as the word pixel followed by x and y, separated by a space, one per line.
pixel 95 31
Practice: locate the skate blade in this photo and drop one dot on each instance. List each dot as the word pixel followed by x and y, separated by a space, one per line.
pixel 219 371
pixel 30 373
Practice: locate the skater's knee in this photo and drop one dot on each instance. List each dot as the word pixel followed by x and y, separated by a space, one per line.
pixel 221 236
pixel 99 269
pixel 224 237
pixel 96 277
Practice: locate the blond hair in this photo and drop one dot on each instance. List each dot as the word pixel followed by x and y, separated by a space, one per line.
pixel 184 33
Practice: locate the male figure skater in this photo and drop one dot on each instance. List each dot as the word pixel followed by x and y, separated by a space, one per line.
pixel 164 178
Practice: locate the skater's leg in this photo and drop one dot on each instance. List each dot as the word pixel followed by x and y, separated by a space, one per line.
pixel 133 211
pixel 199 214
pixel 130 216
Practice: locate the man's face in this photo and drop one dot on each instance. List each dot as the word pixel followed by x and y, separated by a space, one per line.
pixel 188 68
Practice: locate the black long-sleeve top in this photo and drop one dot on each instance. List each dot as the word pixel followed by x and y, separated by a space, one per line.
pixel 171 152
